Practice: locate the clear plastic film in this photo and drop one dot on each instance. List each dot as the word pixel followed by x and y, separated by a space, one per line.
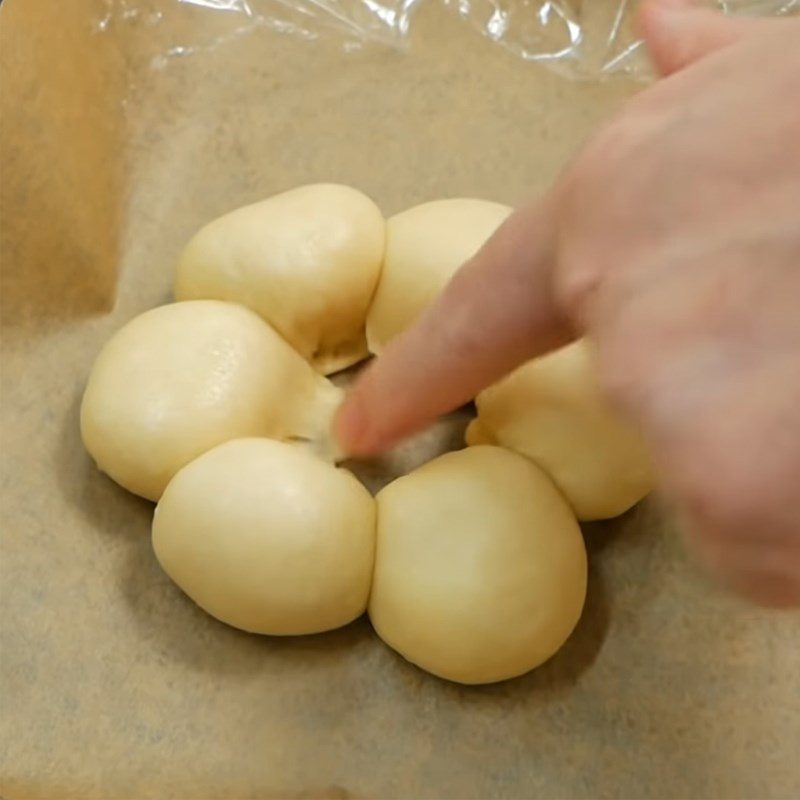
pixel 580 39
pixel 353 23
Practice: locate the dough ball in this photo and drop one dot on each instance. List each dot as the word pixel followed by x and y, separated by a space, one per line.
pixel 268 538
pixel 306 260
pixel 480 568
pixel 425 246
pixel 552 411
pixel 180 379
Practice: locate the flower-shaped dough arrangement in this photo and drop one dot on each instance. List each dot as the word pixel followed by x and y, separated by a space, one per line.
pixel 218 408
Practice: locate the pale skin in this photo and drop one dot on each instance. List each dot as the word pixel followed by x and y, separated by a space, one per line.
pixel 673 241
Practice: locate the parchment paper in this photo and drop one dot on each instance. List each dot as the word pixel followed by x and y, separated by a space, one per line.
pixel 114 685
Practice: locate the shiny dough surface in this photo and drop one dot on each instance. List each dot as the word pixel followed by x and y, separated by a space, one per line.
pixel 553 411
pixel 268 538
pixel 480 567
pixel 306 260
pixel 182 378
pixel 425 246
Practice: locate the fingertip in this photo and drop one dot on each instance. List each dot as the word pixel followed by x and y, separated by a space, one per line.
pixel 680 32
pixel 659 23
pixel 651 12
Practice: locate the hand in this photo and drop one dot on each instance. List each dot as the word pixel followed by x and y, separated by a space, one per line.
pixel 673 240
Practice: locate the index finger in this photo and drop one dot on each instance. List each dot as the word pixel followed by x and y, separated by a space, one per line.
pixel 498 311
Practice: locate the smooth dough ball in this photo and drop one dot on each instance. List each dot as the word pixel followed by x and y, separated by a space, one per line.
pixel 180 379
pixel 266 537
pixel 306 260
pixel 480 567
pixel 425 246
pixel 553 411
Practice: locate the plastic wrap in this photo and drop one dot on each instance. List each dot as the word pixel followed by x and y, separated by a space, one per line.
pixel 351 22
pixel 578 38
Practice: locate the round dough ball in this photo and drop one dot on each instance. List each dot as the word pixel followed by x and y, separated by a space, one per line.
pixel 553 411
pixel 480 568
pixel 306 260
pixel 180 379
pixel 425 246
pixel 268 538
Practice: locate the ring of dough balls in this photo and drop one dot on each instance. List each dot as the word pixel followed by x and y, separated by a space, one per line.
pixel 479 572
pixel 480 566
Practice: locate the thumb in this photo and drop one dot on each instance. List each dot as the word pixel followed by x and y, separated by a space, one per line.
pixel 678 32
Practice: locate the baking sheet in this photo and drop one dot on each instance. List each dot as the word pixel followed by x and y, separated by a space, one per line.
pixel 114 685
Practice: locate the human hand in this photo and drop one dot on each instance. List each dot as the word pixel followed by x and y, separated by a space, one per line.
pixel 673 241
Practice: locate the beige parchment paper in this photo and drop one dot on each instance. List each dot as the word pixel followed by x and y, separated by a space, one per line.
pixel 114 685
